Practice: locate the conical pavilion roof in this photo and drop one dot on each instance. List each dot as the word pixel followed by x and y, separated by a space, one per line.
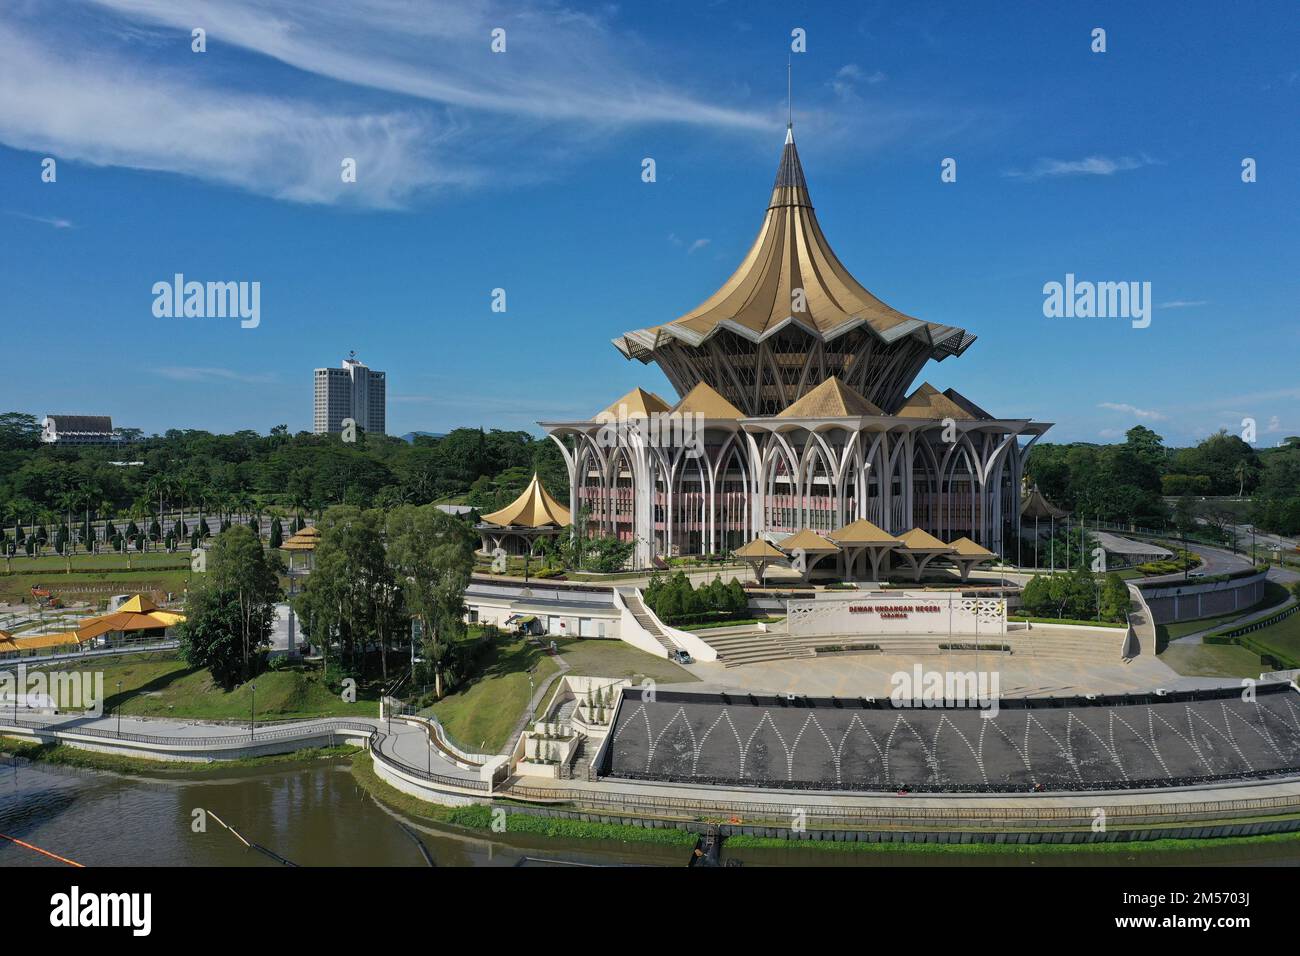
pixel 789 254
pixel 831 399
pixel 532 509
pixel 1034 505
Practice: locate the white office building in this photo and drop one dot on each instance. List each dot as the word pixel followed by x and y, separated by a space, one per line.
pixel 350 391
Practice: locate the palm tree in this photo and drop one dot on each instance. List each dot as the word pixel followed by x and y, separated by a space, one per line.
pixel 1241 472
pixel 68 501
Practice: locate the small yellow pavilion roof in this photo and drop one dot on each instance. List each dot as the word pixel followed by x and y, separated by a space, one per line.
pixel 928 402
pixel 831 399
pixel 707 401
pixel 861 532
pixel 918 540
pixel 637 402
pixel 966 548
pixel 759 548
pixel 810 541
pixel 532 509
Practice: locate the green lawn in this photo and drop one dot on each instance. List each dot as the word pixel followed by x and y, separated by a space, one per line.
pixel 594 657
pixel 1274 593
pixel 92 586
pixel 1212 660
pixel 105 560
pixel 163 685
pixel 1282 637
pixel 481 715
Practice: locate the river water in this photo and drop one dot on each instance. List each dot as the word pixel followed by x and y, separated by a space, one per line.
pixel 316 815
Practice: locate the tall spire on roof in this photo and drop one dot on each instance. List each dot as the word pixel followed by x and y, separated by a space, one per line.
pixel 789 98
pixel 790 188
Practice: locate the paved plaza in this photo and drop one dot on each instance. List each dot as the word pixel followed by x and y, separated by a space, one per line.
pixel 869 674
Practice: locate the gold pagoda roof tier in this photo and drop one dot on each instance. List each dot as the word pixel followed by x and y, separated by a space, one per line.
pixel 831 399
pixel 535 508
pixel 789 285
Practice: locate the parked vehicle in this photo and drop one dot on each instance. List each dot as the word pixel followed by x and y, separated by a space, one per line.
pixel 681 657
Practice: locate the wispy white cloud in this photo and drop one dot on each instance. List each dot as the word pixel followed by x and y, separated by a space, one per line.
pixel 691 247
pixel 192 373
pixel 52 221
pixel 1181 304
pixel 558 63
pixel 1144 413
pixel 850 76
pixel 409 90
pixel 1089 166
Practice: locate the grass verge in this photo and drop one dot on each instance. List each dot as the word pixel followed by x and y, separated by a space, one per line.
pixel 65 756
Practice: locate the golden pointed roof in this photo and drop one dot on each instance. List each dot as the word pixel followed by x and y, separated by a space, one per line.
pixel 862 532
pixel 637 402
pixel 139 604
pixel 532 509
pixel 831 399
pixel 928 402
pixel 789 254
pixel 810 541
pixel 966 548
pixel 918 540
pixel 759 548
pixel 705 400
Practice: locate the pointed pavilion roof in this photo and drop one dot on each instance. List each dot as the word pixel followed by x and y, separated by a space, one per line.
pixel 862 532
pixel 535 508
pixel 966 548
pixel 1035 505
pixel 705 400
pixel 810 541
pixel 918 540
pixel 138 604
pixel 831 399
pixel 791 253
pixel 960 399
pixel 637 402
pixel 928 402
pixel 759 548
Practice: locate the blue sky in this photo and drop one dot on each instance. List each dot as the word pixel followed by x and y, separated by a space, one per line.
pixel 521 170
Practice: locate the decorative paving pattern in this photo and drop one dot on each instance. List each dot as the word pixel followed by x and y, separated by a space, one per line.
pixel 1050 744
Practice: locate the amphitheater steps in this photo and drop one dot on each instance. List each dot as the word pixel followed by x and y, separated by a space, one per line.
pixel 753 648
